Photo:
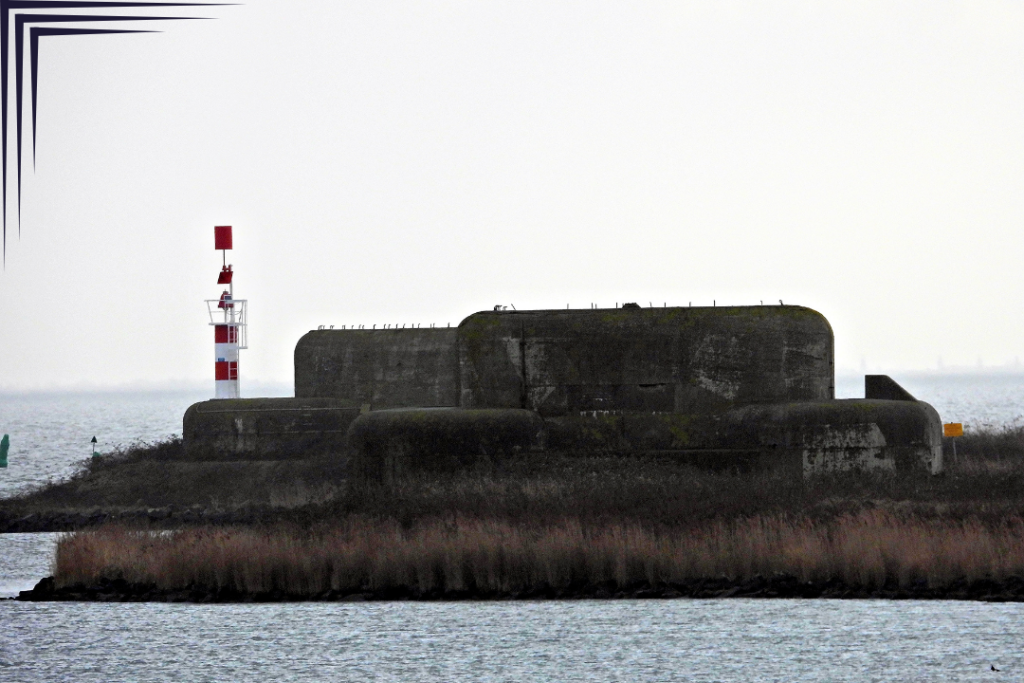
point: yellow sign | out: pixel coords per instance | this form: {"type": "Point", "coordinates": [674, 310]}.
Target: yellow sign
{"type": "Point", "coordinates": [952, 429]}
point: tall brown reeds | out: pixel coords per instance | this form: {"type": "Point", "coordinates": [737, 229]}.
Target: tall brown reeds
{"type": "Point", "coordinates": [867, 549]}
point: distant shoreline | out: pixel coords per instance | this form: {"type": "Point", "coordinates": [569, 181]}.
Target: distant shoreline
{"type": "Point", "coordinates": [776, 587]}
{"type": "Point", "coordinates": [285, 388]}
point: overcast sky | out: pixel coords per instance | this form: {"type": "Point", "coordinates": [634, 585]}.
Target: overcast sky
{"type": "Point", "coordinates": [415, 162]}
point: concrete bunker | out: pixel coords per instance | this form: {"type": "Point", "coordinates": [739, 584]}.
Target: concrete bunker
{"type": "Point", "coordinates": [718, 386]}
{"type": "Point", "coordinates": [385, 444]}
{"type": "Point", "coordinates": [664, 360]}
{"type": "Point", "coordinates": [266, 428]}
{"type": "Point", "coordinates": [393, 368]}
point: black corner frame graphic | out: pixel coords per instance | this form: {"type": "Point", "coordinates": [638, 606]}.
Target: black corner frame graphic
{"type": "Point", "coordinates": [28, 14]}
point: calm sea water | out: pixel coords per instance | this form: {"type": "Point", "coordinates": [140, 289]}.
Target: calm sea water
{"type": "Point", "coordinates": [50, 433]}
{"type": "Point", "coordinates": [677, 640]}
{"type": "Point", "coordinates": [674, 640]}
{"type": "Point", "coordinates": [977, 400]}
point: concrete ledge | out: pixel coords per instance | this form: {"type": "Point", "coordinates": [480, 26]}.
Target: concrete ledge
{"type": "Point", "coordinates": [266, 428]}
{"type": "Point", "coordinates": [807, 437]}
{"type": "Point", "coordinates": [384, 445]}
{"type": "Point", "coordinates": [812, 437]}
{"type": "Point", "coordinates": [831, 436]}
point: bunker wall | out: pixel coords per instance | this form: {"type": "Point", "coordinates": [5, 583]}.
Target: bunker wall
{"type": "Point", "coordinates": [401, 368]}
{"type": "Point", "coordinates": [808, 437]}
{"type": "Point", "coordinates": [265, 428]}
{"type": "Point", "coordinates": [686, 360]}
{"type": "Point", "coordinates": [833, 436]}
{"type": "Point", "coordinates": [385, 445]}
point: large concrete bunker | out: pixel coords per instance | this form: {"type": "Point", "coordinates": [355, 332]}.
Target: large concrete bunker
{"type": "Point", "coordinates": [667, 360]}
{"type": "Point", "coordinates": [723, 386]}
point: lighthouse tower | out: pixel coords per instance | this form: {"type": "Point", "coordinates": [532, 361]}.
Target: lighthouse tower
{"type": "Point", "coordinates": [227, 316]}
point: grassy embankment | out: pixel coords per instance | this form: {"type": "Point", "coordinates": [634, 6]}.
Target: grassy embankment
{"type": "Point", "coordinates": [549, 525]}
{"type": "Point", "coordinates": [156, 483]}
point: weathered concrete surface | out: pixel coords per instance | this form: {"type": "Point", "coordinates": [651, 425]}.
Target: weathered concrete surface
{"type": "Point", "coordinates": [808, 437]}
{"type": "Point", "coordinates": [803, 437]}
{"type": "Point", "coordinates": [833, 436]}
{"type": "Point", "coordinates": [403, 368]}
{"type": "Point", "coordinates": [685, 360]}
{"type": "Point", "coordinates": [385, 445]}
{"type": "Point", "coordinates": [265, 428]}
{"type": "Point", "coordinates": [724, 386]}
{"type": "Point", "coordinates": [698, 439]}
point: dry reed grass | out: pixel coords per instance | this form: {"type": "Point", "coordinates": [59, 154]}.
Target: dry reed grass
{"type": "Point", "coordinates": [867, 549]}
{"type": "Point", "coordinates": [987, 444]}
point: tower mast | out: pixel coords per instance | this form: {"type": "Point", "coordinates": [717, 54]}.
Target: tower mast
{"type": "Point", "coordinates": [227, 316]}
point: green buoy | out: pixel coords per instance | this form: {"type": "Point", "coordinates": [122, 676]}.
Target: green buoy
{"type": "Point", "coordinates": [94, 453]}
{"type": "Point", "coordinates": [5, 444]}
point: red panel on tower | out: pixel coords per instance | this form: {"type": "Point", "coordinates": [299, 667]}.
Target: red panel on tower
{"type": "Point", "coordinates": [221, 371]}
{"type": "Point", "coordinates": [222, 236]}
{"type": "Point", "coordinates": [225, 276]}
{"type": "Point", "coordinates": [225, 334]}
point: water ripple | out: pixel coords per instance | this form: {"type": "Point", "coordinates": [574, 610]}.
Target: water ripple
{"type": "Point", "coordinates": [716, 640]}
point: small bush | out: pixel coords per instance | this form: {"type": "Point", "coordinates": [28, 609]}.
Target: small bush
{"type": "Point", "coordinates": [169, 450]}
{"type": "Point", "coordinates": [999, 445]}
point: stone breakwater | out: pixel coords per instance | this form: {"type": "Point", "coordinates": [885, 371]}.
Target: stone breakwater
{"type": "Point", "coordinates": [1010, 589]}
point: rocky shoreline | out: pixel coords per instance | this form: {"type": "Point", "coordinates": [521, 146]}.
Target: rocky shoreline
{"type": "Point", "coordinates": [781, 586]}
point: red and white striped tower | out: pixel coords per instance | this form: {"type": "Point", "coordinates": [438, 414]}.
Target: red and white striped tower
{"type": "Point", "coordinates": [227, 316]}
